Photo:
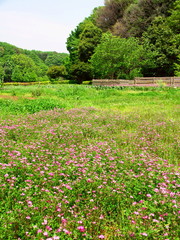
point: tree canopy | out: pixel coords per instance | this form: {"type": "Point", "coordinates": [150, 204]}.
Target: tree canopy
{"type": "Point", "coordinates": [21, 65]}
{"type": "Point", "coordinates": [117, 57]}
{"type": "Point", "coordinates": [140, 37]}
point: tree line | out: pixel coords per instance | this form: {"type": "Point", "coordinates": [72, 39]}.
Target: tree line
{"type": "Point", "coordinates": [20, 65]}
{"type": "Point", "coordinates": [127, 39]}
{"type": "Point", "coordinates": [122, 39]}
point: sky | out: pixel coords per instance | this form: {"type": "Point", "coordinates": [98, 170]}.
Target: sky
{"type": "Point", "coordinates": [42, 24]}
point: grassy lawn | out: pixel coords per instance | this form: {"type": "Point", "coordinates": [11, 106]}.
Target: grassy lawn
{"type": "Point", "coordinates": [81, 162]}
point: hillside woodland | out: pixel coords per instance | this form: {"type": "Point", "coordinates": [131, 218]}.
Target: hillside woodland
{"type": "Point", "coordinates": [20, 65]}
{"type": "Point", "coordinates": [122, 39]}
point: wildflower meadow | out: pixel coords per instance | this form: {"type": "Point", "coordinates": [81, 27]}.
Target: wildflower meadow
{"type": "Point", "coordinates": [79, 162]}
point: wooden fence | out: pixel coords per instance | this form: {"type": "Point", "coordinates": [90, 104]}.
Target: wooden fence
{"type": "Point", "coordinates": [139, 81]}
{"type": "Point", "coordinates": [169, 81]}
{"type": "Point", "coordinates": [110, 82]}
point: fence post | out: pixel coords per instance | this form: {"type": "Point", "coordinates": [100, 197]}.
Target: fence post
{"type": "Point", "coordinates": [135, 81]}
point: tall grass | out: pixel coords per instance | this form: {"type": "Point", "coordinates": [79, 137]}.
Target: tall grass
{"type": "Point", "coordinates": [31, 99]}
{"type": "Point", "coordinates": [89, 163]}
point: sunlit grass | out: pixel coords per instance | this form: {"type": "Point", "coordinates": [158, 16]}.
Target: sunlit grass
{"type": "Point", "coordinates": [72, 96]}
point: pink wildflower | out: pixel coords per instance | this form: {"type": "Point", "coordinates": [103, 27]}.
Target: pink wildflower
{"type": "Point", "coordinates": [101, 217]}
{"type": "Point", "coordinates": [79, 221]}
{"type": "Point", "coordinates": [149, 195]}
{"type": "Point", "coordinates": [132, 234]}
{"type": "Point", "coordinates": [48, 228]}
{"type": "Point", "coordinates": [101, 237]}
{"type": "Point", "coordinates": [64, 221]}
{"type": "Point", "coordinates": [66, 231]}
{"type": "Point", "coordinates": [45, 234]}
{"type": "Point", "coordinates": [144, 234]}
{"type": "Point", "coordinates": [81, 229]}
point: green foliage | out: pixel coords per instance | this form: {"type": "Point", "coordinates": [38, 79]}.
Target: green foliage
{"type": "Point", "coordinates": [127, 18]}
{"type": "Point", "coordinates": [73, 40]}
{"type": "Point", "coordinates": [81, 71]}
{"type": "Point", "coordinates": [89, 39]}
{"type": "Point", "coordinates": [24, 69]}
{"type": "Point", "coordinates": [37, 92]}
{"type": "Point", "coordinates": [10, 49]}
{"type": "Point", "coordinates": [139, 16]}
{"type": "Point", "coordinates": [154, 23]}
{"type": "Point", "coordinates": [26, 65]}
{"type": "Point", "coordinates": [17, 75]}
{"type": "Point", "coordinates": [81, 45]}
{"type": "Point", "coordinates": [30, 76]}
{"type": "Point", "coordinates": [174, 18]}
{"type": "Point", "coordinates": [22, 61]}
{"type": "Point", "coordinates": [163, 40]}
{"type": "Point", "coordinates": [8, 67]}
{"type": "Point", "coordinates": [177, 67]}
{"type": "Point", "coordinates": [120, 58]}
{"type": "Point", "coordinates": [41, 66]}
{"type": "Point", "coordinates": [1, 51]}
{"type": "Point", "coordinates": [2, 74]}
{"type": "Point", "coordinates": [56, 59]}
{"type": "Point", "coordinates": [57, 71]}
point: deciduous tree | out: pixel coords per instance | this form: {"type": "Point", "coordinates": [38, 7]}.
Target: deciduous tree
{"type": "Point", "coordinates": [163, 40]}
{"type": "Point", "coordinates": [117, 57]}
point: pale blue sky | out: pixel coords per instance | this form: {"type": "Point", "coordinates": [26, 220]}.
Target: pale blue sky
{"type": "Point", "coordinates": [42, 24]}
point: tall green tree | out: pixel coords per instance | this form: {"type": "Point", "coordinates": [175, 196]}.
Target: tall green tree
{"type": "Point", "coordinates": [73, 40]}
{"type": "Point", "coordinates": [117, 57]}
{"type": "Point", "coordinates": [81, 45]}
{"type": "Point", "coordinates": [163, 40]}
{"type": "Point", "coordinates": [89, 39]}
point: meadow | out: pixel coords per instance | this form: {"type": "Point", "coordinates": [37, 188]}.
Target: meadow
{"type": "Point", "coordinates": [83, 162]}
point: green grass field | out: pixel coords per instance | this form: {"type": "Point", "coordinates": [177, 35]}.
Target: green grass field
{"type": "Point", "coordinates": [82, 162]}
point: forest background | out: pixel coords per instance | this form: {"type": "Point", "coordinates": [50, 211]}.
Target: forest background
{"type": "Point", "coordinates": [122, 39]}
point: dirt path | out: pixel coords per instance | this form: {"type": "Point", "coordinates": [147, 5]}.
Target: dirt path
{"type": "Point", "coordinates": [15, 98]}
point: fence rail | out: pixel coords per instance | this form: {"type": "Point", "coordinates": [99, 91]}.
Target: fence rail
{"type": "Point", "coordinates": [156, 81]}
{"type": "Point", "coordinates": [109, 82]}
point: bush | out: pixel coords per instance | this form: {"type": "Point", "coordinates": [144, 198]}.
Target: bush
{"type": "Point", "coordinates": [81, 72]}
{"type": "Point", "coordinates": [37, 92]}
{"type": "Point", "coordinates": [25, 83]}
{"type": "Point", "coordinates": [56, 72]}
